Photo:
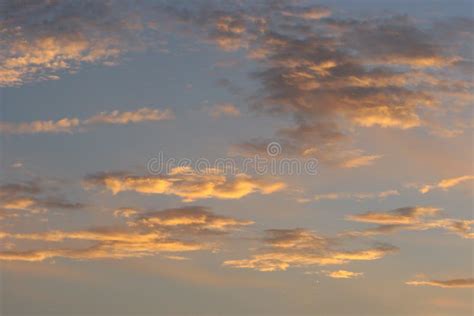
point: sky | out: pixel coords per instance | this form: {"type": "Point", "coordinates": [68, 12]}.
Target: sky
{"type": "Point", "coordinates": [236, 157]}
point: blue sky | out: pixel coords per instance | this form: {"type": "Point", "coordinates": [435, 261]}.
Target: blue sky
{"type": "Point", "coordinates": [379, 93]}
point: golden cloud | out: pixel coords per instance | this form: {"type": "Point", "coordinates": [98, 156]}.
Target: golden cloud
{"type": "Point", "coordinates": [196, 218]}
{"type": "Point", "coordinates": [445, 184]}
{"type": "Point", "coordinates": [343, 274]}
{"type": "Point", "coordinates": [360, 161]}
{"type": "Point", "coordinates": [186, 183]}
{"type": "Point", "coordinates": [447, 284]}
{"type": "Point", "coordinates": [147, 234]}
{"type": "Point", "coordinates": [302, 248]}
{"type": "Point", "coordinates": [30, 198]}
{"type": "Point", "coordinates": [70, 125]}
{"type": "Point", "coordinates": [410, 218]}
{"type": "Point", "coordinates": [36, 50]}
{"type": "Point", "coordinates": [356, 196]}
{"type": "Point", "coordinates": [406, 215]}
{"type": "Point", "coordinates": [65, 125]}
{"type": "Point", "coordinates": [123, 118]}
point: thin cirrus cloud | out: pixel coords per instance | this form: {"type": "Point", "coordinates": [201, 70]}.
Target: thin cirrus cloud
{"type": "Point", "coordinates": [186, 183]}
{"type": "Point", "coordinates": [416, 218]}
{"type": "Point", "coordinates": [309, 13]}
{"type": "Point", "coordinates": [70, 125]}
{"type": "Point", "coordinates": [447, 284]}
{"type": "Point", "coordinates": [286, 248]}
{"type": "Point", "coordinates": [445, 184]}
{"type": "Point", "coordinates": [223, 109]}
{"type": "Point", "coordinates": [30, 197]}
{"type": "Point", "coordinates": [360, 161]}
{"type": "Point", "coordinates": [343, 274]}
{"type": "Point", "coordinates": [147, 234]}
{"type": "Point", "coordinates": [356, 196]}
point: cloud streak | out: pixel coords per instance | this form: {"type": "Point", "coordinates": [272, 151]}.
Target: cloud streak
{"type": "Point", "coordinates": [26, 198]}
{"type": "Point", "coordinates": [445, 184]}
{"type": "Point", "coordinates": [447, 284]}
{"type": "Point", "coordinates": [343, 274]}
{"type": "Point", "coordinates": [70, 125]}
{"type": "Point", "coordinates": [410, 218]}
{"type": "Point", "coordinates": [356, 196]}
{"type": "Point", "coordinates": [166, 231]}
{"type": "Point", "coordinates": [286, 248]}
{"type": "Point", "coordinates": [224, 109]}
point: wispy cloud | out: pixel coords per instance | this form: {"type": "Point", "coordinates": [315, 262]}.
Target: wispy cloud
{"type": "Point", "coordinates": [285, 248]}
{"type": "Point", "coordinates": [355, 196]}
{"type": "Point", "coordinates": [343, 274]}
{"type": "Point", "coordinates": [165, 231]}
{"type": "Point", "coordinates": [64, 125]}
{"type": "Point", "coordinates": [360, 161]}
{"type": "Point", "coordinates": [444, 184]}
{"type": "Point", "coordinates": [25, 198]}
{"type": "Point", "coordinates": [123, 118]}
{"type": "Point", "coordinates": [410, 218]}
{"type": "Point", "coordinates": [447, 284]}
{"type": "Point", "coordinates": [70, 125]}
{"type": "Point", "coordinates": [223, 109]}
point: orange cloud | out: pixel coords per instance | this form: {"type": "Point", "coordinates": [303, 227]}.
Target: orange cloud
{"type": "Point", "coordinates": [447, 284]}
{"type": "Point", "coordinates": [385, 116]}
{"type": "Point", "coordinates": [122, 118]}
{"type": "Point", "coordinates": [194, 217]}
{"type": "Point", "coordinates": [26, 198]}
{"type": "Point", "coordinates": [125, 212]}
{"type": "Point", "coordinates": [343, 274]}
{"type": "Point", "coordinates": [360, 161]}
{"type": "Point", "coordinates": [70, 125]}
{"type": "Point", "coordinates": [406, 215]}
{"type": "Point", "coordinates": [445, 184]}
{"type": "Point", "coordinates": [110, 250]}
{"type": "Point", "coordinates": [38, 51]}
{"type": "Point", "coordinates": [309, 13]}
{"type": "Point", "coordinates": [224, 109]}
{"type": "Point", "coordinates": [65, 125]}
{"type": "Point", "coordinates": [146, 235]}
{"type": "Point", "coordinates": [410, 218]}
{"type": "Point", "coordinates": [302, 248]}
{"type": "Point", "coordinates": [186, 183]}
{"type": "Point", "coordinates": [356, 196]}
